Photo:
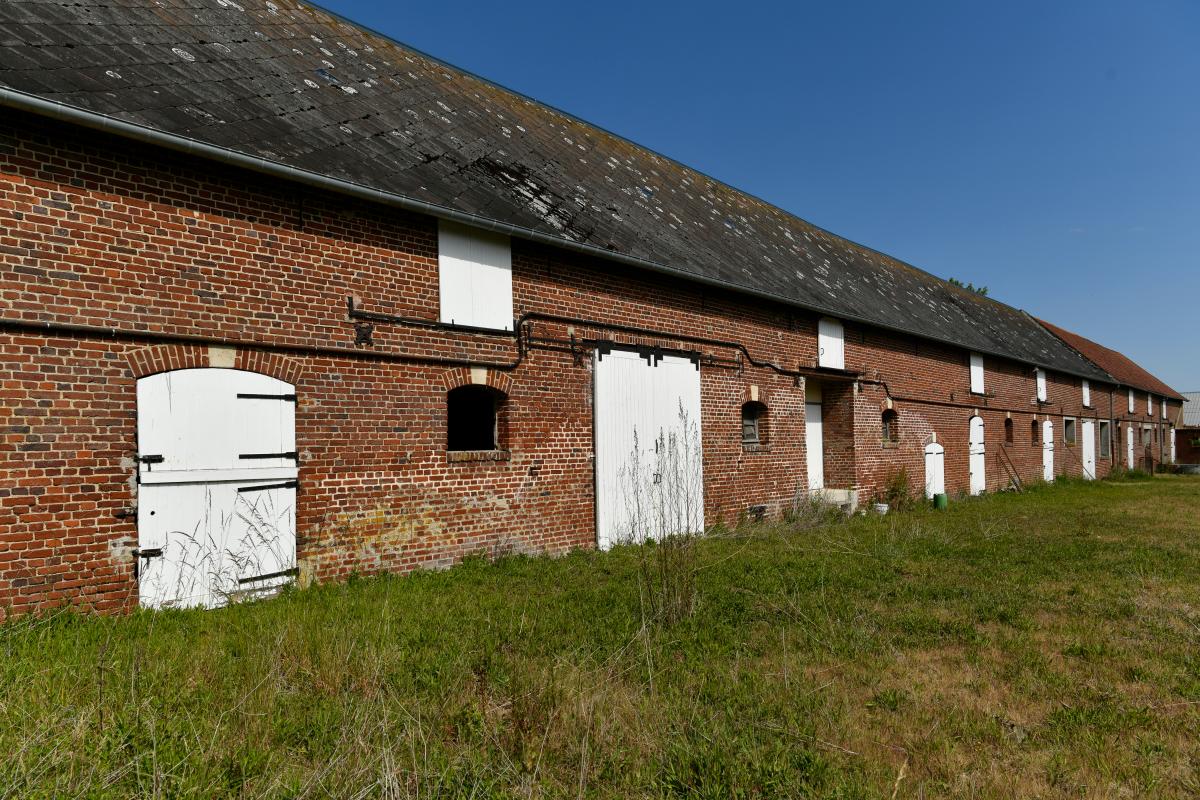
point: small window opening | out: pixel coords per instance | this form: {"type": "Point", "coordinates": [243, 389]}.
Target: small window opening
{"type": "Point", "coordinates": [1069, 430]}
{"type": "Point", "coordinates": [1008, 431]}
{"type": "Point", "coordinates": [891, 426]}
{"type": "Point", "coordinates": [1105, 440]}
{"type": "Point", "coordinates": [754, 423]}
{"type": "Point", "coordinates": [1034, 437]}
{"type": "Point", "coordinates": [472, 418]}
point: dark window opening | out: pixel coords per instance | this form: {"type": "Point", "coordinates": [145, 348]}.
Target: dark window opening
{"type": "Point", "coordinates": [1105, 441]}
{"type": "Point", "coordinates": [1069, 431]}
{"type": "Point", "coordinates": [1008, 431]}
{"type": "Point", "coordinates": [754, 423]}
{"type": "Point", "coordinates": [1033, 432]}
{"type": "Point", "coordinates": [891, 426]}
{"type": "Point", "coordinates": [472, 418]}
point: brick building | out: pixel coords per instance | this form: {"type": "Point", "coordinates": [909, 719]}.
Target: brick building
{"type": "Point", "coordinates": [1143, 412]}
{"type": "Point", "coordinates": [283, 297]}
{"type": "Point", "coordinates": [1187, 444]}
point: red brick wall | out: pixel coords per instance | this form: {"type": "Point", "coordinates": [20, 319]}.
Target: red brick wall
{"type": "Point", "coordinates": [98, 232]}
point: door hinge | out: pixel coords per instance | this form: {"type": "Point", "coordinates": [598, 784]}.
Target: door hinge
{"type": "Point", "coordinates": [293, 455]}
{"type": "Point", "coordinates": [281, 574]}
{"type": "Point", "coordinates": [154, 459]}
{"type": "Point", "coordinates": [288, 398]}
{"type": "Point", "coordinates": [264, 487]}
{"type": "Point", "coordinates": [147, 552]}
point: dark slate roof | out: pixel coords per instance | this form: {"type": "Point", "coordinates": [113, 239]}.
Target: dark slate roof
{"type": "Point", "coordinates": [1120, 366]}
{"type": "Point", "coordinates": [295, 85]}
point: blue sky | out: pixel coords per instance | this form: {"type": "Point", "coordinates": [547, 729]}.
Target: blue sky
{"type": "Point", "coordinates": [1047, 150]}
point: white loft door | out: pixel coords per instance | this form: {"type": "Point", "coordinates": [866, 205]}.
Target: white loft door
{"type": "Point", "coordinates": [1088, 432]}
{"type": "Point", "coordinates": [831, 344]}
{"type": "Point", "coordinates": [649, 460]}
{"type": "Point", "coordinates": [216, 486]}
{"type": "Point", "coordinates": [976, 457]}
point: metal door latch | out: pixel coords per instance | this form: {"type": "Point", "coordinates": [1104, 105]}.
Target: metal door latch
{"type": "Point", "coordinates": [154, 459]}
{"type": "Point", "coordinates": [147, 552]}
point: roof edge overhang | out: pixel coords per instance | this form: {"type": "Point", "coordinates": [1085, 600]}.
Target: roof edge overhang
{"type": "Point", "coordinates": [75, 115]}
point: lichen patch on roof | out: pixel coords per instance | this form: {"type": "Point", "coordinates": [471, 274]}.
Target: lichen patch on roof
{"type": "Point", "coordinates": [294, 84]}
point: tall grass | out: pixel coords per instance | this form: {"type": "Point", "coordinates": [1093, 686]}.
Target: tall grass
{"type": "Point", "coordinates": [1042, 644]}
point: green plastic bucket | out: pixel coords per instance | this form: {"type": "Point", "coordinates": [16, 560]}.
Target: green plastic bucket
{"type": "Point", "coordinates": [940, 502]}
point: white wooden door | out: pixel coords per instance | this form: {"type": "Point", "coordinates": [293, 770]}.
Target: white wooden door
{"type": "Point", "coordinates": [831, 343]}
{"type": "Point", "coordinates": [1048, 450]}
{"type": "Point", "coordinates": [977, 457]}
{"type": "Point", "coordinates": [649, 458]}
{"type": "Point", "coordinates": [1087, 430]}
{"type": "Point", "coordinates": [216, 486]}
{"type": "Point", "coordinates": [935, 470]}
{"type": "Point", "coordinates": [814, 445]}
{"type": "Point", "coordinates": [1129, 446]}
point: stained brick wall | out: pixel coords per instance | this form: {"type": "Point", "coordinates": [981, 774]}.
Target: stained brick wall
{"type": "Point", "coordinates": [187, 264]}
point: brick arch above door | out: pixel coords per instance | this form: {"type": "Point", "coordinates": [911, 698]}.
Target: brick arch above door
{"type": "Point", "coordinates": [150, 360]}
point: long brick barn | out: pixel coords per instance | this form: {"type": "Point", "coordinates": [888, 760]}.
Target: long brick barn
{"type": "Point", "coordinates": [283, 299]}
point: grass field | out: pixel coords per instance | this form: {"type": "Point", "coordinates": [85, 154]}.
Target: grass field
{"type": "Point", "coordinates": [1036, 645]}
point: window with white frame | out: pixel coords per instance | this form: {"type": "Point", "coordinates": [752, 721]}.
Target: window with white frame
{"type": "Point", "coordinates": [475, 277]}
{"type": "Point", "coordinates": [1131, 401]}
{"type": "Point", "coordinates": [1087, 393]}
{"type": "Point", "coordinates": [1040, 374]}
{"type": "Point", "coordinates": [976, 373]}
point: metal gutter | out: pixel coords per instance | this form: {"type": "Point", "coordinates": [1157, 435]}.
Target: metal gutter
{"type": "Point", "coordinates": [74, 115]}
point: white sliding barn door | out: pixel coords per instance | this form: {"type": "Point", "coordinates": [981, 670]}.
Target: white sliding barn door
{"type": "Point", "coordinates": [1048, 450]}
{"type": "Point", "coordinates": [977, 457]}
{"type": "Point", "coordinates": [1088, 431]}
{"type": "Point", "coordinates": [649, 459]}
{"type": "Point", "coordinates": [216, 486]}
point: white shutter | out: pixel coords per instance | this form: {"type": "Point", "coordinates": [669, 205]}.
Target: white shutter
{"type": "Point", "coordinates": [1131, 401]}
{"type": "Point", "coordinates": [1041, 384]}
{"type": "Point", "coordinates": [1149, 404]}
{"type": "Point", "coordinates": [977, 373]}
{"type": "Point", "coordinates": [475, 277]}
{"type": "Point", "coordinates": [1087, 393]}
{"type": "Point", "coordinates": [1162, 404]}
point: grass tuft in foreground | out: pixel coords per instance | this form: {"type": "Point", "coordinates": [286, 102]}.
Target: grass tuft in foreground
{"type": "Point", "coordinates": [1036, 645]}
